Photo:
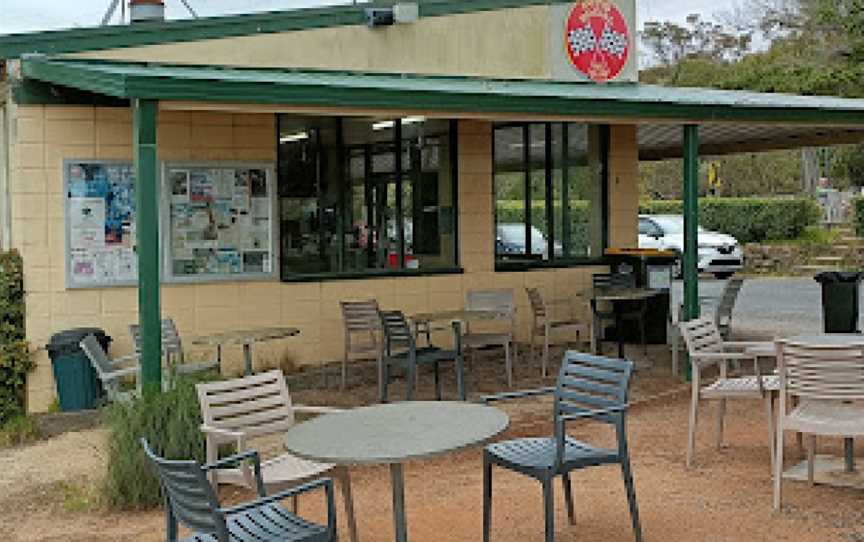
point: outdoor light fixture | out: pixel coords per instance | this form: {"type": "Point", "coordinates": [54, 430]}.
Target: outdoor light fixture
{"type": "Point", "coordinates": [292, 138]}
{"type": "Point", "coordinates": [388, 124]}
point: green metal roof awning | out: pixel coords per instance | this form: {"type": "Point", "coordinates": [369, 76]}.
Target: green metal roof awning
{"type": "Point", "coordinates": [438, 93]}
{"type": "Point", "coordinates": [731, 121]}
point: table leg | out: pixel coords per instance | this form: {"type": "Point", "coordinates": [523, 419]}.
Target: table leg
{"type": "Point", "coordinates": [397, 479]}
{"type": "Point", "coordinates": [247, 358]}
{"type": "Point", "coordinates": [849, 453]}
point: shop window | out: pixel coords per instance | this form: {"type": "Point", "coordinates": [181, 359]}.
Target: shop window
{"type": "Point", "coordinates": [363, 196]}
{"type": "Point", "coordinates": [549, 194]}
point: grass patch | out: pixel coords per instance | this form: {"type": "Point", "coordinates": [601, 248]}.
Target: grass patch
{"type": "Point", "coordinates": [170, 422]}
{"type": "Point", "coordinates": [18, 431]}
{"type": "Point", "coordinates": [811, 237]}
{"type": "Point", "coordinates": [78, 497]}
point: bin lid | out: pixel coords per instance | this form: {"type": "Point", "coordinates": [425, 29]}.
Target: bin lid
{"type": "Point", "coordinates": [831, 277]}
{"type": "Point", "coordinates": [67, 341]}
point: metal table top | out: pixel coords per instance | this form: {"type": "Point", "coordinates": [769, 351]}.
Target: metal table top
{"type": "Point", "coordinates": [394, 433]}
{"type": "Point", "coordinates": [462, 315]}
{"type": "Point", "coordinates": [247, 336]}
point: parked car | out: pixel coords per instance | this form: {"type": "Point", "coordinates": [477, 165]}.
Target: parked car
{"type": "Point", "coordinates": [510, 241]}
{"type": "Point", "coordinates": [719, 254]}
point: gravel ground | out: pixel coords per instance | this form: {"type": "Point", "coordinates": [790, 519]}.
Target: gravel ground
{"type": "Point", "coordinates": [727, 496]}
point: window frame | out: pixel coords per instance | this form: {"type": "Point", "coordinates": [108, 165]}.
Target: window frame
{"type": "Point", "coordinates": [402, 271]}
{"type": "Point", "coordinates": [604, 143]}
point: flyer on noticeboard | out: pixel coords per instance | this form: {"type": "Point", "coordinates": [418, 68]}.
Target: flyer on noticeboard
{"type": "Point", "coordinates": [221, 220]}
{"type": "Point", "coordinates": [101, 223]}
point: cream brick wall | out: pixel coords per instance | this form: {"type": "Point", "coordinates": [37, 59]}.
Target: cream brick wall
{"type": "Point", "coordinates": [48, 135]}
{"type": "Point", "coordinates": [623, 187]}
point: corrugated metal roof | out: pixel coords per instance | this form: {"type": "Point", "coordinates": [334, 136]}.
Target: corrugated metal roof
{"type": "Point", "coordinates": [442, 93]}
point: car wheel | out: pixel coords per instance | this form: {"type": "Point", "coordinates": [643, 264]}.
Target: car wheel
{"type": "Point", "coordinates": [723, 276]}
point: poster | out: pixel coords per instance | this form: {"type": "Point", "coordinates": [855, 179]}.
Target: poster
{"type": "Point", "coordinates": [100, 223]}
{"type": "Point", "coordinates": [220, 220]}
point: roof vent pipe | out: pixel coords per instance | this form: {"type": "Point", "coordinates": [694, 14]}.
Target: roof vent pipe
{"type": "Point", "coordinates": [146, 10]}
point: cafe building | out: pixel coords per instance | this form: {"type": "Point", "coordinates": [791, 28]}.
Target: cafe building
{"type": "Point", "coordinates": [255, 170]}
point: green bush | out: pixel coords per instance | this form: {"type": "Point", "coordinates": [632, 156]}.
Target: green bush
{"type": "Point", "coordinates": [858, 204]}
{"type": "Point", "coordinates": [750, 220]}
{"type": "Point", "coordinates": [18, 430]}
{"type": "Point", "coordinates": [15, 360]}
{"type": "Point", "coordinates": [170, 422]}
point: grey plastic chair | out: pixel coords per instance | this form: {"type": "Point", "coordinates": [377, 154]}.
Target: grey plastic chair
{"type": "Point", "coordinates": [400, 350]}
{"type": "Point", "coordinates": [112, 372]}
{"type": "Point", "coordinates": [172, 349]}
{"type": "Point", "coordinates": [191, 501]}
{"type": "Point", "coordinates": [589, 388]}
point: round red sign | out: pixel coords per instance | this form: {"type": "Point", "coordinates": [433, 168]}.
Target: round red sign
{"type": "Point", "coordinates": [597, 39]}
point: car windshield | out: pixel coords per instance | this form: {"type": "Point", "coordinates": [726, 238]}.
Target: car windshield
{"type": "Point", "coordinates": [671, 225]}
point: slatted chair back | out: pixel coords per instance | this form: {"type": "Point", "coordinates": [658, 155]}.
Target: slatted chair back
{"type": "Point", "coordinates": [728, 299]}
{"type": "Point", "coordinates": [397, 332]}
{"type": "Point", "coordinates": [360, 316]}
{"type": "Point", "coordinates": [255, 405]}
{"type": "Point", "coordinates": [538, 306]}
{"type": "Point", "coordinates": [824, 373]}
{"type": "Point", "coordinates": [98, 359]}
{"type": "Point", "coordinates": [701, 336]}
{"type": "Point", "coordinates": [189, 498]}
{"type": "Point", "coordinates": [590, 383]}
{"type": "Point", "coordinates": [171, 343]}
{"type": "Point", "coordinates": [491, 300]}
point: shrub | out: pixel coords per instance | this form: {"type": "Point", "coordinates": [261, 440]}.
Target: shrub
{"type": "Point", "coordinates": [15, 360]}
{"type": "Point", "coordinates": [170, 422]}
{"type": "Point", "coordinates": [18, 430]}
{"type": "Point", "coordinates": [750, 220]}
{"type": "Point", "coordinates": [858, 208]}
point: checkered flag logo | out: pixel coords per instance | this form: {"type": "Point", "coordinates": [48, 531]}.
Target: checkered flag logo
{"type": "Point", "coordinates": [582, 40]}
{"type": "Point", "coordinates": [613, 43]}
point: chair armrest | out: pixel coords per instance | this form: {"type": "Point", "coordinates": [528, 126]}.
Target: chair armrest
{"type": "Point", "coordinates": [226, 435]}
{"type": "Point", "coordinates": [325, 483]}
{"type": "Point", "coordinates": [317, 409]}
{"type": "Point", "coordinates": [231, 462]}
{"type": "Point", "coordinates": [126, 358]}
{"type": "Point", "coordinates": [742, 345]}
{"type": "Point", "coordinates": [721, 355]}
{"type": "Point", "coordinates": [120, 373]}
{"type": "Point", "coordinates": [516, 395]}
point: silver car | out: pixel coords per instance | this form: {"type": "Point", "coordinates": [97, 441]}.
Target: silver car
{"type": "Point", "coordinates": [719, 254]}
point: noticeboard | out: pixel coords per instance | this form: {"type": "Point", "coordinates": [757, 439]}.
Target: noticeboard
{"type": "Point", "coordinates": [219, 221]}
{"type": "Point", "coordinates": [100, 223]}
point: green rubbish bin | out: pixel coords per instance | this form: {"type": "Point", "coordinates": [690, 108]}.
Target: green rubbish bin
{"type": "Point", "coordinates": [78, 385]}
{"type": "Point", "coordinates": [840, 300]}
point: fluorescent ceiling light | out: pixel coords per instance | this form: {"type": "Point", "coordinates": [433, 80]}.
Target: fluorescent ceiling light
{"type": "Point", "coordinates": [388, 124]}
{"type": "Point", "coordinates": [299, 136]}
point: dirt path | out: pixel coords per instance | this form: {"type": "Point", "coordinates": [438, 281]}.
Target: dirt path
{"type": "Point", "coordinates": [726, 497]}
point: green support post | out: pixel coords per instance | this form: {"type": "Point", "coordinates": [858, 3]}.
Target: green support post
{"type": "Point", "coordinates": [147, 233]}
{"type": "Point", "coordinates": [690, 263]}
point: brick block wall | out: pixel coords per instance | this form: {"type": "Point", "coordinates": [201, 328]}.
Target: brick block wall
{"type": "Point", "coordinates": [48, 135]}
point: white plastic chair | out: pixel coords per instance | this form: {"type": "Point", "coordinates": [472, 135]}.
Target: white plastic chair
{"type": "Point", "coordinates": [238, 410]}
{"type": "Point", "coordinates": [362, 322]}
{"type": "Point", "coordinates": [544, 323]}
{"type": "Point", "coordinates": [828, 382]}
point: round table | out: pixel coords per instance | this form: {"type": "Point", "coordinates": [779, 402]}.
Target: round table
{"type": "Point", "coordinates": [393, 434]}
{"type": "Point", "coordinates": [246, 338]}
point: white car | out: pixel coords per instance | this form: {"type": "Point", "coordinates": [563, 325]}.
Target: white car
{"type": "Point", "coordinates": [719, 254]}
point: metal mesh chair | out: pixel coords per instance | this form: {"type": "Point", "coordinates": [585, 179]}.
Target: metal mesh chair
{"type": "Point", "coordinates": [590, 388]}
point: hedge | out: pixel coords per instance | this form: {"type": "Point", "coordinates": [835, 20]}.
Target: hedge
{"type": "Point", "coordinates": [750, 220]}
{"type": "Point", "coordinates": [858, 205]}
{"type": "Point", "coordinates": [15, 360]}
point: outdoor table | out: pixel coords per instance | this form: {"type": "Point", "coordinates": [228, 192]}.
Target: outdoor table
{"type": "Point", "coordinates": [426, 319]}
{"type": "Point", "coordinates": [393, 434]}
{"type": "Point", "coordinates": [828, 469]}
{"type": "Point", "coordinates": [615, 296]}
{"type": "Point", "coordinates": [246, 338]}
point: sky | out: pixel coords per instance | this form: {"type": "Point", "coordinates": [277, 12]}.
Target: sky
{"type": "Point", "coordinates": [33, 15]}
